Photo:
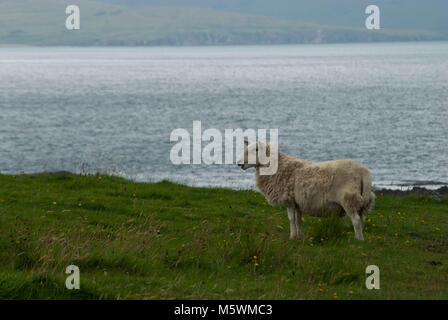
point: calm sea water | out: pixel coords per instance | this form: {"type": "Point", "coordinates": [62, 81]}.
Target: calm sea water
{"type": "Point", "coordinates": [113, 109]}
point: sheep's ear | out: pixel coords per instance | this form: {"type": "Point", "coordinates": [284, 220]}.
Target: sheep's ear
{"type": "Point", "coordinates": [246, 143]}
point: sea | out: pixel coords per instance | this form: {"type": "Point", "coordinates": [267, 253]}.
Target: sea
{"type": "Point", "coordinates": [114, 109]}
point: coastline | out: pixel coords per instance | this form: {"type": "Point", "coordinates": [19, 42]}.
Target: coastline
{"type": "Point", "coordinates": [441, 192]}
{"type": "Point", "coordinates": [434, 189]}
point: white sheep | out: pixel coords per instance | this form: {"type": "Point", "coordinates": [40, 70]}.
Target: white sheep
{"type": "Point", "coordinates": [314, 188]}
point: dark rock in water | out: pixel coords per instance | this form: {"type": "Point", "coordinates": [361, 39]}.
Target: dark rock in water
{"type": "Point", "coordinates": [441, 192]}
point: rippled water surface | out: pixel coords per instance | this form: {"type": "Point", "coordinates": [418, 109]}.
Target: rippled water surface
{"type": "Point", "coordinates": [83, 109]}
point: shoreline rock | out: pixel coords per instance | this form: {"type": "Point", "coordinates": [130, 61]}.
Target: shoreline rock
{"type": "Point", "coordinates": [441, 192]}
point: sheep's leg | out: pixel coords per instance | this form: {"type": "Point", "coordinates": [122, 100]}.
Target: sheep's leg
{"type": "Point", "coordinates": [352, 204]}
{"type": "Point", "coordinates": [298, 221]}
{"type": "Point", "coordinates": [357, 224]}
{"type": "Point", "coordinates": [292, 223]}
{"type": "Point", "coordinates": [363, 219]}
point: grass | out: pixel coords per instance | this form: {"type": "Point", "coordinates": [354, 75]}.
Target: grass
{"type": "Point", "coordinates": [167, 241]}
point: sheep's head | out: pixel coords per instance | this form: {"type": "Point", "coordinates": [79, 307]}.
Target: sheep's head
{"type": "Point", "coordinates": [259, 155]}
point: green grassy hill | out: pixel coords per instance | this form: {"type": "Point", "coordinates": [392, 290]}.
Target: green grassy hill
{"type": "Point", "coordinates": [163, 240]}
{"type": "Point", "coordinates": [30, 22]}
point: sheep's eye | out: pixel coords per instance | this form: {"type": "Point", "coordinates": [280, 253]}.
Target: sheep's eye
{"type": "Point", "coordinates": [256, 149]}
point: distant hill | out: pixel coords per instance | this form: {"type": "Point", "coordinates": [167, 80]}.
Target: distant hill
{"type": "Point", "coordinates": [428, 15]}
{"type": "Point", "coordinates": [30, 22]}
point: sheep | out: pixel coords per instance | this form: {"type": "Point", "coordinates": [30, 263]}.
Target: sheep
{"type": "Point", "coordinates": [315, 188]}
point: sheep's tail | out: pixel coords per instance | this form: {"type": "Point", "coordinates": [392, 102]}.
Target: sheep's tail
{"type": "Point", "coordinates": [366, 193]}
